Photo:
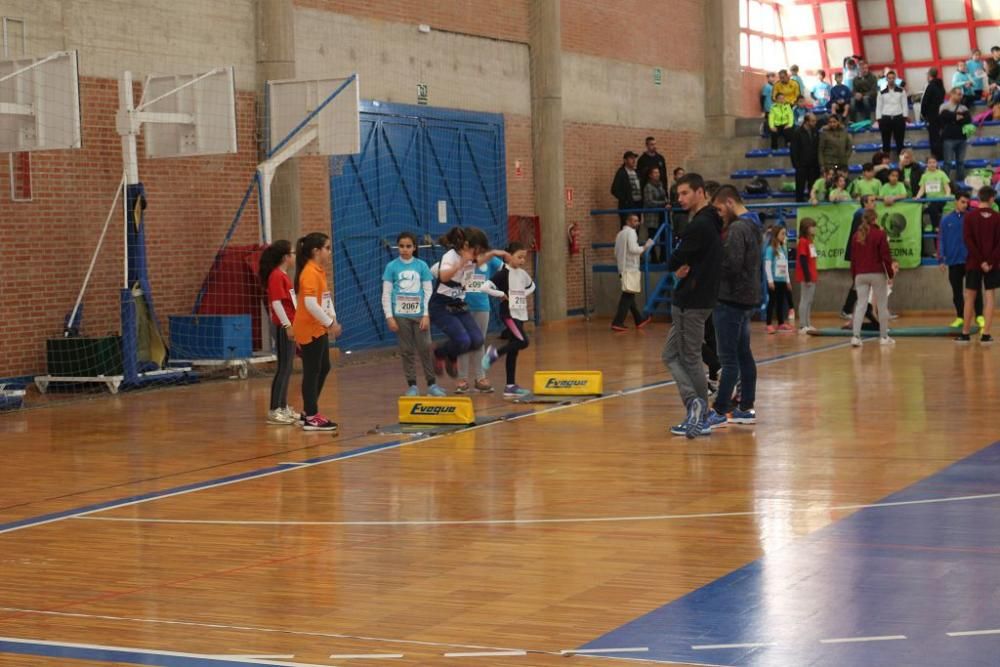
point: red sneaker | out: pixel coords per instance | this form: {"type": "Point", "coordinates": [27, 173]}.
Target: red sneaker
{"type": "Point", "coordinates": [618, 327]}
{"type": "Point", "coordinates": [318, 423]}
{"type": "Point", "coordinates": [642, 324]}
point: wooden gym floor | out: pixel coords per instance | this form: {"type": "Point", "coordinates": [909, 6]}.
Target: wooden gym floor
{"type": "Point", "coordinates": [855, 524]}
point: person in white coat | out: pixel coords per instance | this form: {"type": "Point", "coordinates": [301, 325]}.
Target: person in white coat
{"type": "Point", "coordinates": [627, 254]}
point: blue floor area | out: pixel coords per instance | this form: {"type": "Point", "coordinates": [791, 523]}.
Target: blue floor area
{"type": "Point", "coordinates": [920, 571]}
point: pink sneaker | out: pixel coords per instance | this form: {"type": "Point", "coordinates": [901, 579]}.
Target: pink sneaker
{"type": "Point", "coordinates": [786, 327]}
{"type": "Point", "coordinates": [319, 423]}
{"type": "Point", "coordinates": [772, 329]}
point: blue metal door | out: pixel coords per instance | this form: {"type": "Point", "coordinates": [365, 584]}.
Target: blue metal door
{"type": "Point", "coordinates": [412, 159]}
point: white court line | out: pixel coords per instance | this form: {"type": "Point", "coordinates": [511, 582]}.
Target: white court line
{"type": "Point", "coordinates": [366, 451]}
{"type": "Point", "coordinates": [176, 654]}
{"type": "Point", "coordinates": [366, 656]}
{"type": "Point", "coordinates": [852, 640]}
{"type": "Point", "coordinates": [486, 654]}
{"type": "Point", "coordinates": [243, 656]}
{"type": "Point", "coordinates": [973, 633]}
{"type": "Point", "coordinates": [713, 647]}
{"type": "Point", "coordinates": [598, 651]}
{"type": "Point", "coordinates": [528, 522]}
{"type": "Point", "coordinates": [254, 628]}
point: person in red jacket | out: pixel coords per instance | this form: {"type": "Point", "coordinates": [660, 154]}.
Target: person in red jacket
{"type": "Point", "coordinates": [872, 269]}
{"type": "Point", "coordinates": [805, 273]}
{"type": "Point", "coordinates": [275, 263]}
{"type": "Point", "coordinates": [981, 231]}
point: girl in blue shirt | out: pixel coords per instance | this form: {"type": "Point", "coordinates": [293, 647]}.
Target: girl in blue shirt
{"type": "Point", "coordinates": [406, 290]}
{"type": "Point", "coordinates": [479, 307]}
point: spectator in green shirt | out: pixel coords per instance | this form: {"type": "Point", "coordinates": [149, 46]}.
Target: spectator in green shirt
{"type": "Point", "coordinates": [781, 121]}
{"type": "Point", "coordinates": [893, 190]}
{"type": "Point", "coordinates": [819, 189]}
{"type": "Point", "coordinates": [840, 192]}
{"type": "Point", "coordinates": [867, 184]}
{"type": "Point", "coordinates": [934, 184]}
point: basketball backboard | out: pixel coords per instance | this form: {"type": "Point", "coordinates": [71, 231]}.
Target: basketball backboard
{"type": "Point", "coordinates": [207, 100]}
{"type": "Point", "coordinates": [291, 107]}
{"type": "Point", "coordinates": [40, 103]}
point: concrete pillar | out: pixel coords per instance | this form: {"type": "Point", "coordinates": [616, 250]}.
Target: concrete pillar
{"type": "Point", "coordinates": [722, 67]}
{"type": "Point", "coordinates": [547, 153]}
{"type": "Point", "coordinates": [275, 21]}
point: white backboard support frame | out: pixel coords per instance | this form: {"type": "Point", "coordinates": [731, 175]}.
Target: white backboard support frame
{"type": "Point", "coordinates": [308, 117]}
{"type": "Point", "coordinates": [40, 103]}
{"type": "Point", "coordinates": [207, 101]}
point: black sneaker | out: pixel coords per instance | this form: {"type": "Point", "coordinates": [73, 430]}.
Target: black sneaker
{"type": "Point", "coordinates": [985, 339]}
{"type": "Point", "coordinates": [451, 367]}
{"type": "Point", "coordinates": [963, 338]}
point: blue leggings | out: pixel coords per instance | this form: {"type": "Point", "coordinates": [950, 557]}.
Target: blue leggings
{"type": "Point", "coordinates": [461, 329]}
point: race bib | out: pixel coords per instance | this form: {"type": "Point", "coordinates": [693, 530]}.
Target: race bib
{"type": "Point", "coordinates": [475, 283]}
{"type": "Point", "coordinates": [409, 304]}
{"type": "Point", "coordinates": [327, 302]}
{"type": "Point", "coordinates": [812, 252]}
{"type": "Point", "coordinates": [933, 187]}
{"type": "Point", "coordinates": [518, 300]}
{"type": "Point", "coordinates": [781, 270]}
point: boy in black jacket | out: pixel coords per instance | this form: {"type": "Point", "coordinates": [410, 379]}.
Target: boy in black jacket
{"type": "Point", "coordinates": [697, 262]}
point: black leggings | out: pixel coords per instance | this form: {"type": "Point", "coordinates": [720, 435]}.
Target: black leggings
{"type": "Point", "coordinates": [517, 340]}
{"type": "Point", "coordinates": [777, 303]}
{"type": "Point", "coordinates": [710, 351]}
{"type": "Point", "coordinates": [315, 368]}
{"type": "Point", "coordinates": [285, 348]}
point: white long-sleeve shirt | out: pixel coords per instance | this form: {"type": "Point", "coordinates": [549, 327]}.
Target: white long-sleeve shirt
{"type": "Point", "coordinates": [324, 313]}
{"type": "Point", "coordinates": [519, 287]}
{"type": "Point", "coordinates": [627, 250]}
{"type": "Point", "coordinates": [892, 103]}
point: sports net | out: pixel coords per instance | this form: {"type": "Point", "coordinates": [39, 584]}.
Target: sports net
{"type": "Point", "coordinates": [153, 280]}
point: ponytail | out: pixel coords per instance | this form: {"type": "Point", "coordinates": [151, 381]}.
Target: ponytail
{"type": "Point", "coordinates": [868, 218]}
{"type": "Point", "coordinates": [304, 249]}
{"type": "Point", "coordinates": [458, 238]}
{"type": "Point", "coordinates": [272, 258]}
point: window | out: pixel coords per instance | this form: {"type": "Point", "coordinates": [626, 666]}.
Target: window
{"type": "Point", "coordinates": [762, 45]}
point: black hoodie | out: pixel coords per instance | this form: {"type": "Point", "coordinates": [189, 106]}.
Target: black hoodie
{"type": "Point", "coordinates": [701, 249]}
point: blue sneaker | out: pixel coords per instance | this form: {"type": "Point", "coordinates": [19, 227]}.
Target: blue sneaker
{"type": "Point", "coordinates": [412, 391]}
{"type": "Point", "coordinates": [696, 413]}
{"type": "Point", "coordinates": [679, 429]}
{"type": "Point", "coordinates": [714, 420]}
{"type": "Point", "coordinates": [489, 357]}
{"type": "Point", "coordinates": [435, 390]}
{"type": "Point", "coordinates": [514, 391]}
{"type": "Point", "coordinates": [743, 416]}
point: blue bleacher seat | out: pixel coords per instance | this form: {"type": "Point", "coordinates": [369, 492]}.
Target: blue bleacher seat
{"type": "Point", "coordinates": [867, 148]}
{"type": "Point", "coordinates": [854, 169]}
{"type": "Point", "coordinates": [756, 195]}
{"type": "Point", "coordinates": [976, 164]}
{"type": "Point", "coordinates": [759, 152]}
{"type": "Point", "coordinates": [996, 162]}
{"type": "Point", "coordinates": [790, 172]}
{"type": "Point", "coordinates": [986, 141]}
{"type": "Point", "coordinates": [991, 123]}
{"type": "Point", "coordinates": [743, 173]}
{"type": "Point", "coordinates": [783, 195]}
{"type": "Point", "coordinates": [916, 126]}
{"type": "Point", "coordinates": [922, 145]}
{"type": "Point", "coordinates": [772, 173]}
{"type": "Point", "coordinates": [781, 151]}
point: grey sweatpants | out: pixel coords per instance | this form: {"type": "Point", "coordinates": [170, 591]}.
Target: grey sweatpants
{"type": "Point", "coordinates": [413, 341]}
{"type": "Point", "coordinates": [807, 292]}
{"type": "Point", "coordinates": [475, 357]}
{"type": "Point", "coordinates": [682, 353]}
{"type": "Point", "coordinates": [866, 284]}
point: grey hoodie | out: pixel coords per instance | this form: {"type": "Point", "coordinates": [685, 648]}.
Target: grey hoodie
{"type": "Point", "coordinates": [741, 265]}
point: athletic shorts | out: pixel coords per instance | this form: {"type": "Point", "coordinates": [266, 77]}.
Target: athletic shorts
{"type": "Point", "coordinates": [975, 278]}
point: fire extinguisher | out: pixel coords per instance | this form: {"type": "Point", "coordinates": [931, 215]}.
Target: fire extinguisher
{"type": "Point", "coordinates": [573, 236]}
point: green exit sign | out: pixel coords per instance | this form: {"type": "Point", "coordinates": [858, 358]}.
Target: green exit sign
{"type": "Point", "coordinates": [657, 76]}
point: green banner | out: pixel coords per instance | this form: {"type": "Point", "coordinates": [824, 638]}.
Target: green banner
{"type": "Point", "coordinates": [902, 222]}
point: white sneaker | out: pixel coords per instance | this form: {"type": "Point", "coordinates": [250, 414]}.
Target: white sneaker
{"type": "Point", "coordinates": [279, 418]}
{"type": "Point", "coordinates": [804, 331]}
{"type": "Point", "coordinates": [886, 341]}
{"type": "Point", "coordinates": [855, 342]}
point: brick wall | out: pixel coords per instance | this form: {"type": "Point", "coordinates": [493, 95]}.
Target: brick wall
{"type": "Point", "coordinates": [593, 154]}
{"type": "Point", "coordinates": [750, 93]}
{"type": "Point", "coordinates": [47, 243]}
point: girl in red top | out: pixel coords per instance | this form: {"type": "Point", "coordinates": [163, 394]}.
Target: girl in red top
{"type": "Point", "coordinates": [805, 273]}
{"type": "Point", "coordinates": [872, 268]}
{"type": "Point", "coordinates": [275, 263]}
